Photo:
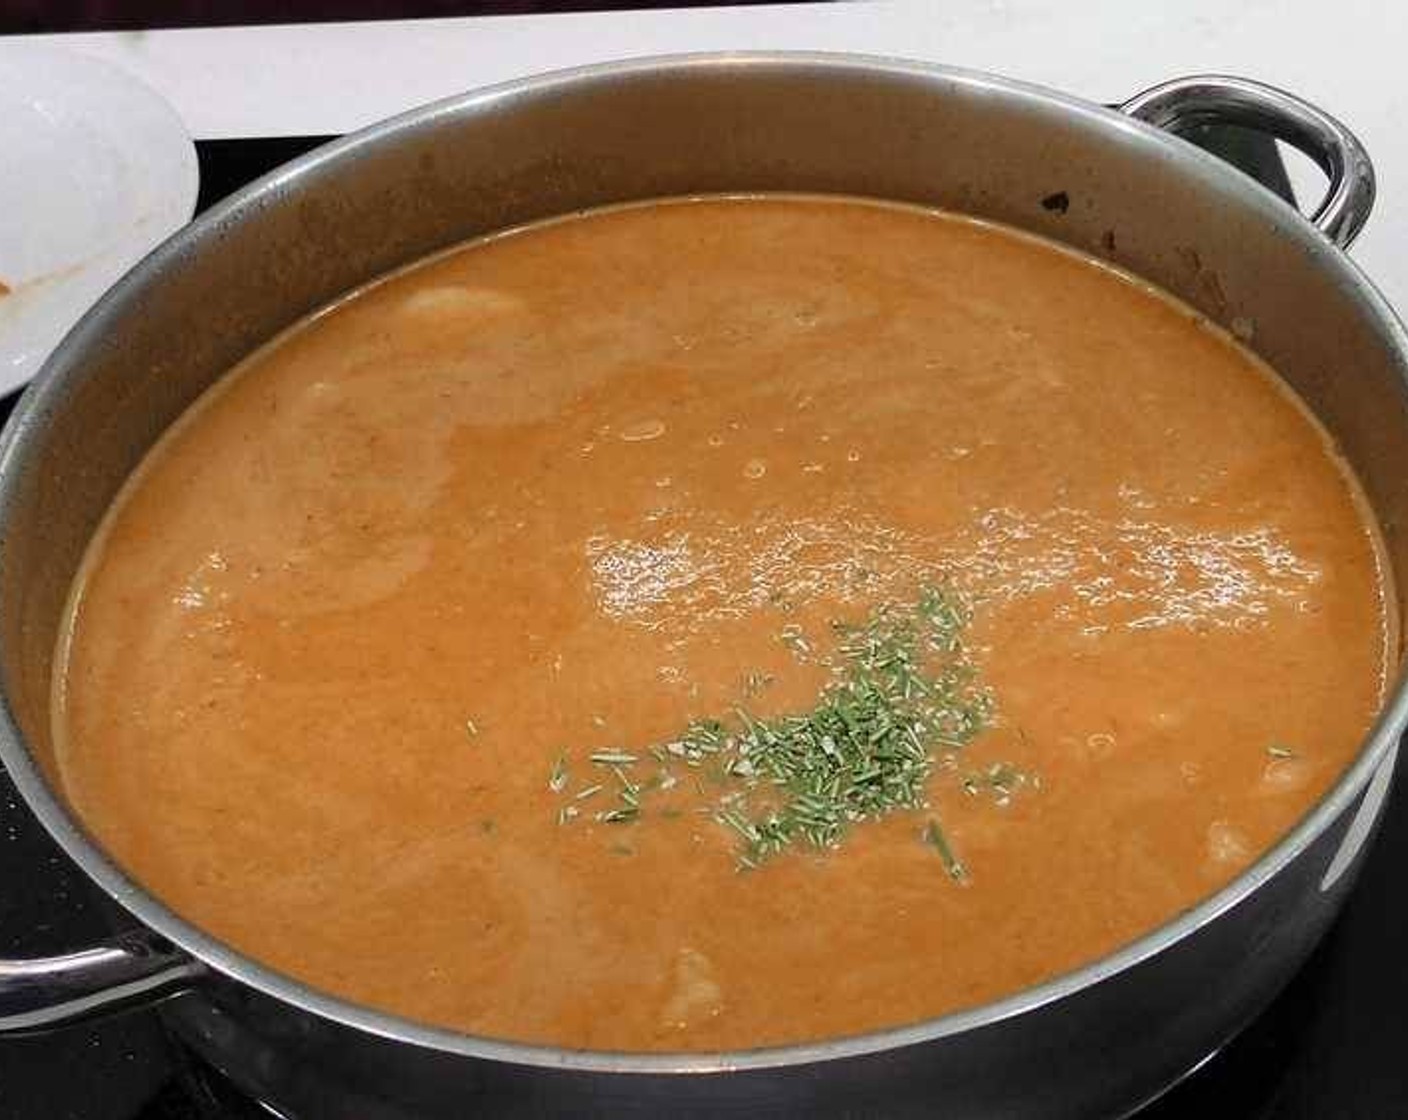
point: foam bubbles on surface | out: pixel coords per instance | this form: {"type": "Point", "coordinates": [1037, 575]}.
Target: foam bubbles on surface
{"type": "Point", "coordinates": [1134, 573]}
{"type": "Point", "coordinates": [1128, 574]}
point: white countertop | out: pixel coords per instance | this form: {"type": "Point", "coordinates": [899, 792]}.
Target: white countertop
{"type": "Point", "coordinates": [326, 78]}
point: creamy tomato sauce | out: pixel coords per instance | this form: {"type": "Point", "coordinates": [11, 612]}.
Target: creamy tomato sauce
{"type": "Point", "coordinates": [565, 489]}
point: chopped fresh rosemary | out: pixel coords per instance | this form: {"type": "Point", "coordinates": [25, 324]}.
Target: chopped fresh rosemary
{"type": "Point", "coordinates": [557, 780]}
{"type": "Point", "coordinates": [613, 758]}
{"type": "Point", "coordinates": [1001, 780]}
{"type": "Point", "coordinates": [754, 683]}
{"type": "Point", "coordinates": [794, 639]}
{"type": "Point", "coordinates": [900, 692]}
{"type": "Point", "coordinates": [934, 836]}
{"type": "Point", "coordinates": [901, 701]}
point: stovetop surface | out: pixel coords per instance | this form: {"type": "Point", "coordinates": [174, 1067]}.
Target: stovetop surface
{"type": "Point", "coordinates": [1334, 1045]}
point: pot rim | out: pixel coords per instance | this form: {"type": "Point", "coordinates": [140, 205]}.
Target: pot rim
{"type": "Point", "coordinates": [45, 394]}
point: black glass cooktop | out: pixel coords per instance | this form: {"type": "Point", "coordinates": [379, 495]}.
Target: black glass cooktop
{"type": "Point", "coordinates": [1334, 1046]}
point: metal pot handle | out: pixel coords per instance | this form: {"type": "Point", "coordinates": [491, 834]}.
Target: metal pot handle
{"type": "Point", "coordinates": [132, 968]}
{"type": "Point", "coordinates": [1213, 99]}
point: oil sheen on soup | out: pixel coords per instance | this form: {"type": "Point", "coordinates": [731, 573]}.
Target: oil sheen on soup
{"type": "Point", "coordinates": [718, 623]}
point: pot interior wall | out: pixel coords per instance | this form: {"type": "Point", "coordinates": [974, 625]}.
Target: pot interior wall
{"type": "Point", "coordinates": [339, 218]}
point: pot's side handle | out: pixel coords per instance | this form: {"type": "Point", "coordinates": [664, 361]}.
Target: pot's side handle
{"type": "Point", "coordinates": [1213, 99]}
{"type": "Point", "coordinates": [133, 968]}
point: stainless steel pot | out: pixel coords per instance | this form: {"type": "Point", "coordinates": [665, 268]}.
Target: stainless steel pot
{"type": "Point", "coordinates": [1098, 1041]}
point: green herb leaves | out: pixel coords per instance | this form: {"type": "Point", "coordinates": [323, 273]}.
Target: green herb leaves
{"type": "Point", "coordinates": [901, 691]}
{"type": "Point", "coordinates": [935, 838]}
{"type": "Point", "coordinates": [902, 697]}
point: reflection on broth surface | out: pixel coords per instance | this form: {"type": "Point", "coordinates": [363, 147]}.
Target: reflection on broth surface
{"type": "Point", "coordinates": [720, 623]}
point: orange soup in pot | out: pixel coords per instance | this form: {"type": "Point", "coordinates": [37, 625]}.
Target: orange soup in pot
{"type": "Point", "coordinates": [721, 622]}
